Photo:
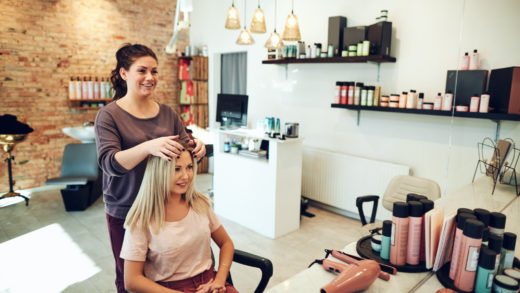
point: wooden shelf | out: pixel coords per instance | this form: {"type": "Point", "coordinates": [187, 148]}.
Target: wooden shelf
{"type": "Point", "coordinates": [91, 100]}
{"type": "Point", "coordinates": [357, 59]}
{"type": "Point", "coordinates": [492, 116]}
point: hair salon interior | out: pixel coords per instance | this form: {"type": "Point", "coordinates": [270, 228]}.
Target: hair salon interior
{"type": "Point", "coordinates": [314, 114]}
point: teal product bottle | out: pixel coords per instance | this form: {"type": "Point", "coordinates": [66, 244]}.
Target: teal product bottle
{"type": "Point", "coordinates": [386, 240]}
{"type": "Point", "coordinates": [485, 270]}
{"type": "Point", "coordinates": [507, 256]}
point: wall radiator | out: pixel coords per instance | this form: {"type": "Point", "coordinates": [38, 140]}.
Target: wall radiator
{"type": "Point", "coordinates": [337, 179]}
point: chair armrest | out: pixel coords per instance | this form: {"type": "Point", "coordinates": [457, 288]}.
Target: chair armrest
{"type": "Point", "coordinates": [359, 203]}
{"type": "Point", "coordinates": [265, 265]}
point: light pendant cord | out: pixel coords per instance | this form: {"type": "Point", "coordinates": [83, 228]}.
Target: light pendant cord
{"type": "Point", "coordinates": [292, 8]}
{"type": "Point", "coordinates": [275, 1]}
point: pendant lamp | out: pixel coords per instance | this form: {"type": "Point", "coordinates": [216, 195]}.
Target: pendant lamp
{"type": "Point", "coordinates": [245, 37]}
{"type": "Point", "coordinates": [291, 31]}
{"type": "Point", "coordinates": [258, 21]}
{"type": "Point", "coordinates": [232, 20]}
{"type": "Point", "coordinates": [274, 41]}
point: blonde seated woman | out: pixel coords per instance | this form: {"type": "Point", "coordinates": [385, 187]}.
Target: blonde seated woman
{"type": "Point", "coordinates": [169, 230]}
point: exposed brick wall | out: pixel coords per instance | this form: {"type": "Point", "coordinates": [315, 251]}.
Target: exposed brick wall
{"type": "Point", "coordinates": [43, 43]}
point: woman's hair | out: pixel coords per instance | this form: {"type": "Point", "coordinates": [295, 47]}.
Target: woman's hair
{"type": "Point", "coordinates": [125, 56]}
{"type": "Point", "coordinates": [148, 209]}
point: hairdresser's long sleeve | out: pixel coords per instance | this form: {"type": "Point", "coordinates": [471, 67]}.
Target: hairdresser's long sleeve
{"type": "Point", "coordinates": [118, 130]}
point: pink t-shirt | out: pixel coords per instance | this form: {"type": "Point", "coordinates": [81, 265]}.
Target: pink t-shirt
{"type": "Point", "coordinates": [179, 251]}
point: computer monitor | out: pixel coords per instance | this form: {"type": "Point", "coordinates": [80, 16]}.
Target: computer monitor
{"type": "Point", "coordinates": [233, 108]}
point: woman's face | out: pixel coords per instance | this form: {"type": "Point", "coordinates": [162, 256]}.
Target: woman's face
{"type": "Point", "coordinates": [183, 173]}
{"type": "Point", "coordinates": [142, 76]}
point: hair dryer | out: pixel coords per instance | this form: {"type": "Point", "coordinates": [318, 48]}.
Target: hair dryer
{"type": "Point", "coordinates": [348, 258]}
{"type": "Point", "coordinates": [351, 278]}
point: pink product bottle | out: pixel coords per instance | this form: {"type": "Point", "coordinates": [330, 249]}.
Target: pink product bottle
{"type": "Point", "coordinates": [474, 60]}
{"type": "Point", "coordinates": [350, 93]}
{"type": "Point", "coordinates": [465, 62]}
{"type": "Point", "coordinates": [72, 89]}
{"type": "Point", "coordinates": [484, 103]}
{"type": "Point", "coordinates": [411, 100]}
{"type": "Point", "coordinates": [402, 100]}
{"type": "Point", "coordinates": [495, 244]}
{"type": "Point", "coordinates": [461, 221]}
{"type": "Point", "coordinates": [399, 240]}
{"type": "Point", "coordinates": [468, 257]}
{"type": "Point", "coordinates": [337, 92]}
{"type": "Point", "coordinates": [427, 206]}
{"type": "Point", "coordinates": [473, 105]}
{"type": "Point", "coordinates": [437, 103]}
{"type": "Point", "coordinates": [84, 88]}
{"type": "Point", "coordinates": [96, 89]}
{"type": "Point", "coordinates": [415, 212]}
{"type": "Point", "coordinates": [78, 88]}
{"type": "Point", "coordinates": [343, 95]}
{"type": "Point", "coordinates": [447, 101]}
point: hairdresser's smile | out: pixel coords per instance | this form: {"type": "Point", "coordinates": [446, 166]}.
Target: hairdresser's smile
{"type": "Point", "coordinates": [142, 76]}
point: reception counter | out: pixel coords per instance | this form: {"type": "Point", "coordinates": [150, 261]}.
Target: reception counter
{"type": "Point", "coordinates": [262, 194]}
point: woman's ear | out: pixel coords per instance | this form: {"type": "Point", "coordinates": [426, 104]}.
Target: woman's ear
{"type": "Point", "coordinates": [122, 72]}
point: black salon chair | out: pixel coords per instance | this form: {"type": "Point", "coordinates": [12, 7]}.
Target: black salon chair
{"type": "Point", "coordinates": [82, 176]}
{"type": "Point", "coordinates": [252, 260]}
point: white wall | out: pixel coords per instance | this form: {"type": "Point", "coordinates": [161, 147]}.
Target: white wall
{"type": "Point", "coordinates": [428, 39]}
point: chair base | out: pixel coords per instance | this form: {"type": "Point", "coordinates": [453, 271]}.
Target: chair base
{"type": "Point", "coordinates": [76, 198]}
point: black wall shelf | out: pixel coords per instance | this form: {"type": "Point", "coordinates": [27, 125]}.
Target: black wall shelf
{"type": "Point", "coordinates": [492, 116]}
{"type": "Point", "coordinates": [357, 59]}
{"type": "Point", "coordinates": [496, 117]}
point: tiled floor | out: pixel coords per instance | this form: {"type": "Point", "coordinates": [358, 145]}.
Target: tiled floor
{"type": "Point", "coordinates": [46, 249]}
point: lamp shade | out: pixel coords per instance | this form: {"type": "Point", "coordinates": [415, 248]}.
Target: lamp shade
{"type": "Point", "coordinates": [232, 20]}
{"type": "Point", "coordinates": [258, 22]}
{"type": "Point", "coordinates": [291, 31]}
{"type": "Point", "coordinates": [245, 37]}
{"type": "Point", "coordinates": [274, 41]}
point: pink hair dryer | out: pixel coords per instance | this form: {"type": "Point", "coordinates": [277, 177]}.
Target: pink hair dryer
{"type": "Point", "coordinates": [351, 278]}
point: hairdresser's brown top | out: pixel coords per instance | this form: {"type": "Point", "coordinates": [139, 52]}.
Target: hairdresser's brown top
{"type": "Point", "coordinates": [118, 130]}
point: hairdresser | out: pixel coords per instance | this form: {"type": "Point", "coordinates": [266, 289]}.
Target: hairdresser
{"type": "Point", "coordinates": [130, 129]}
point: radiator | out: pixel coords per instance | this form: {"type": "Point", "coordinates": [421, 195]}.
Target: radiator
{"type": "Point", "coordinates": [337, 179]}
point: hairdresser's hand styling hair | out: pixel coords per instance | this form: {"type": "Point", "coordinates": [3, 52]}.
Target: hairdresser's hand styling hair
{"type": "Point", "coordinates": [128, 131]}
{"type": "Point", "coordinates": [169, 228]}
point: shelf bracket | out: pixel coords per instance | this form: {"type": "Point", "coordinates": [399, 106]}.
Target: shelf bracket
{"type": "Point", "coordinates": [378, 71]}
{"type": "Point", "coordinates": [286, 71]}
{"type": "Point", "coordinates": [358, 114]}
{"type": "Point", "coordinates": [497, 131]}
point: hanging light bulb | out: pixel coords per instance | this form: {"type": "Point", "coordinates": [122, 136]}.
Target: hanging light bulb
{"type": "Point", "coordinates": [258, 21]}
{"type": "Point", "coordinates": [291, 31]}
{"type": "Point", "coordinates": [274, 41]}
{"type": "Point", "coordinates": [232, 20]}
{"type": "Point", "coordinates": [245, 37]}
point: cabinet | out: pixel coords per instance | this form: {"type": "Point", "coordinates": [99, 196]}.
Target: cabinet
{"type": "Point", "coordinates": [262, 194]}
{"type": "Point", "coordinates": [193, 90]}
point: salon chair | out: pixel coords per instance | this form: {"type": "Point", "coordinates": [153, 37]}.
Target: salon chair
{"type": "Point", "coordinates": [397, 190]}
{"type": "Point", "coordinates": [81, 175]}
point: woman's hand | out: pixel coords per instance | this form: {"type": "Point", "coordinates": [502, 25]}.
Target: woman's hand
{"type": "Point", "coordinates": [212, 287]}
{"type": "Point", "coordinates": [200, 149]}
{"type": "Point", "coordinates": [165, 147]}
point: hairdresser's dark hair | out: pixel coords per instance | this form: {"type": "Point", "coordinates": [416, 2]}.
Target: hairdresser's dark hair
{"type": "Point", "coordinates": [125, 56]}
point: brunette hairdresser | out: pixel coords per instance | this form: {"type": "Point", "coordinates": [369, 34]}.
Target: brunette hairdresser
{"type": "Point", "coordinates": [130, 129]}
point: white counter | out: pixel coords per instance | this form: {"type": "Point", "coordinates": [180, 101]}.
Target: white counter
{"type": "Point", "coordinates": [260, 194]}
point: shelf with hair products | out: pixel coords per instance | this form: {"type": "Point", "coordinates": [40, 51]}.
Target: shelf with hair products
{"type": "Point", "coordinates": [354, 59]}
{"type": "Point", "coordinates": [495, 117]}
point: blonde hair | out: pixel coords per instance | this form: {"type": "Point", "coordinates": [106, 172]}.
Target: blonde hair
{"type": "Point", "coordinates": [148, 209]}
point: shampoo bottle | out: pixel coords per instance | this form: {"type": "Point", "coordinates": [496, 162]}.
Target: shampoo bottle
{"type": "Point", "coordinates": [78, 88]}
{"type": "Point", "coordinates": [485, 270]}
{"type": "Point", "coordinates": [415, 212]}
{"type": "Point", "coordinates": [96, 88]}
{"type": "Point", "coordinates": [427, 206]}
{"type": "Point", "coordinates": [457, 243]}
{"type": "Point", "coordinates": [399, 239]}
{"type": "Point", "coordinates": [497, 223]}
{"type": "Point", "coordinates": [437, 103]}
{"type": "Point", "coordinates": [84, 88]}
{"type": "Point", "coordinates": [474, 60]}
{"type": "Point", "coordinates": [507, 255]}
{"type": "Point", "coordinates": [469, 254]}
{"type": "Point", "coordinates": [72, 89]}
{"type": "Point", "coordinates": [495, 244]}
{"type": "Point", "coordinates": [102, 91]}
{"type": "Point", "coordinates": [386, 239]}
{"type": "Point", "coordinates": [465, 62]}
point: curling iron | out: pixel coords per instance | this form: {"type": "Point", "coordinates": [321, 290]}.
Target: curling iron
{"type": "Point", "coordinates": [351, 278]}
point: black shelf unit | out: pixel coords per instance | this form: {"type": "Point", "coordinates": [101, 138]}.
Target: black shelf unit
{"type": "Point", "coordinates": [496, 117]}
{"type": "Point", "coordinates": [357, 59]}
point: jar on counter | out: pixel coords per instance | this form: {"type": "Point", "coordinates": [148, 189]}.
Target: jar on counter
{"type": "Point", "coordinates": [393, 104]}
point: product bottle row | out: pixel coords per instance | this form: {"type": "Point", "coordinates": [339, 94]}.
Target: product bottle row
{"type": "Point", "coordinates": [88, 89]}
{"type": "Point", "coordinates": [356, 93]}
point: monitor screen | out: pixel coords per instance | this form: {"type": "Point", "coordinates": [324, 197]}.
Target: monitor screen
{"type": "Point", "coordinates": [232, 107]}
